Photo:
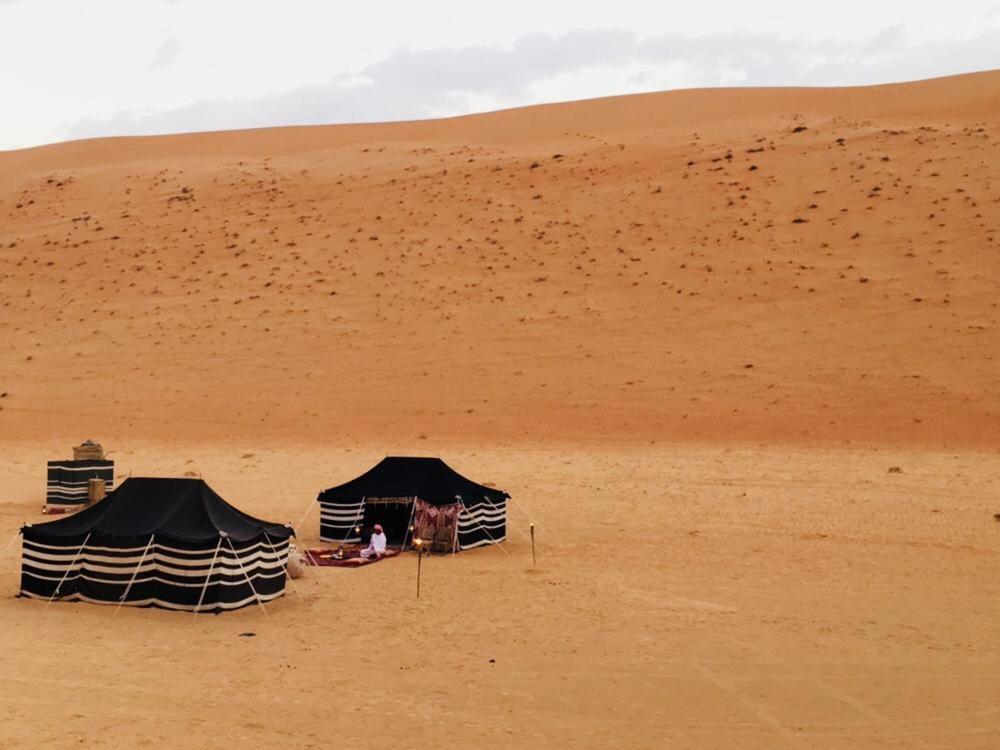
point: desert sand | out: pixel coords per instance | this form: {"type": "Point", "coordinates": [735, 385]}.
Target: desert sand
{"type": "Point", "coordinates": [734, 352]}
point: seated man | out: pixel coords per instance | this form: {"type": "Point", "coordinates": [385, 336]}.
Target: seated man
{"type": "Point", "coordinates": [377, 545]}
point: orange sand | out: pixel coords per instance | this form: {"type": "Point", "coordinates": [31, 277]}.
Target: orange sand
{"type": "Point", "coordinates": [591, 306]}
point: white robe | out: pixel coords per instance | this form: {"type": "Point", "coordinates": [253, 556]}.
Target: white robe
{"type": "Point", "coordinates": [376, 546]}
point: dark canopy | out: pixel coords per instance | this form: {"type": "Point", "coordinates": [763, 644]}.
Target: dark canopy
{"type": "Point", "coordinates": [186, 510]}
{"type": "Point", "coordinates": [430, 479]}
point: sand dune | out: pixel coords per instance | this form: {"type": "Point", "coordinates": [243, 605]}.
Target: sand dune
{"type": "Point", "coordinates": [749, 264]}
{"type": "Point", "coordinates": [707, 323]}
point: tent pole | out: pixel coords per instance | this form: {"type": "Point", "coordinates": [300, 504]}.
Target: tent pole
{"type": "Point", "coordinates": [534, 562]}
{"type": "Point", "coordinates": [63, 580]}
{"type": "Point", "coordinates": [420, 556]}
{"type": "Point", "coordinates": [128, 588]}
{"type": "Point", "coordinates": [413, 512]}
{"type": "Point", "coordinates": [208, 577]}
{"type": "Point", "coordinates": [247, 576]}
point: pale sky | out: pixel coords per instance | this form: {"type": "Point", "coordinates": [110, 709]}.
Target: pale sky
{"type": "Point", "coordinates": [83, 68]}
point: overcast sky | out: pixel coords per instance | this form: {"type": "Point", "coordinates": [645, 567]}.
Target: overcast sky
{"type": "Point", "coordinates": [83, 68]}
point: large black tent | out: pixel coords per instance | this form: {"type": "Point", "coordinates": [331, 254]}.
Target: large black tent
{"type": "Point", "coordinates": [403, 491]}
{"type": "Point", "coordinates": [171, 543]}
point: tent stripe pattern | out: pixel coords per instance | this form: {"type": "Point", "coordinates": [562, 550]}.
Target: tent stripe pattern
{"type": "Point", "coordinates": [170, 543]}
{"type": "Point", "coordinates": [337, 522]}
{"type": "Point", "coordinates": [164, 576]}
{"type": "Point", "coordinates": [481, 523]}
{"type": "Point", "coordinates": [68, 480]}
{"type": "Point", "coordinates": [482, 516]}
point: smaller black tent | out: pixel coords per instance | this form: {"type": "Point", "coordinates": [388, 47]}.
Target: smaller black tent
{"type": "Point", "coordinates": [395, 492]}
{"type": "Point", "coordinates": [68, 481]}
{"type": "Point", "coordinates": [171, 543]}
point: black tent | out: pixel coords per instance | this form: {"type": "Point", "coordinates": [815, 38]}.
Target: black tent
{"type": "Point", "coordinates": [400, 492]}
{"type": "Point", "coordinates": [68, 481]}
{"type": "Point", "coordinates": [171, 543]}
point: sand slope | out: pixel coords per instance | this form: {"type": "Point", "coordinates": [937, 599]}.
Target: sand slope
{"type": "Point", "coordinates": [734, 353]}
{"type": "Point", "coordinates": [680, 265]}
{"type": "Point", "coordinates": [804, 598]}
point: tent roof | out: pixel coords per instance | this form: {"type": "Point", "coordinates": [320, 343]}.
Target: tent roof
{"type": "Point", "coordinates": [187, 510]}
{"type": "Point", "coordinates": [430, 479]}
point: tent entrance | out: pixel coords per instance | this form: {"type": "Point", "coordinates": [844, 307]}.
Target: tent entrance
{"type": "Point", "coordinates": [393, 513]}
{"type": "Point", "coordinates": [437, 525]}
